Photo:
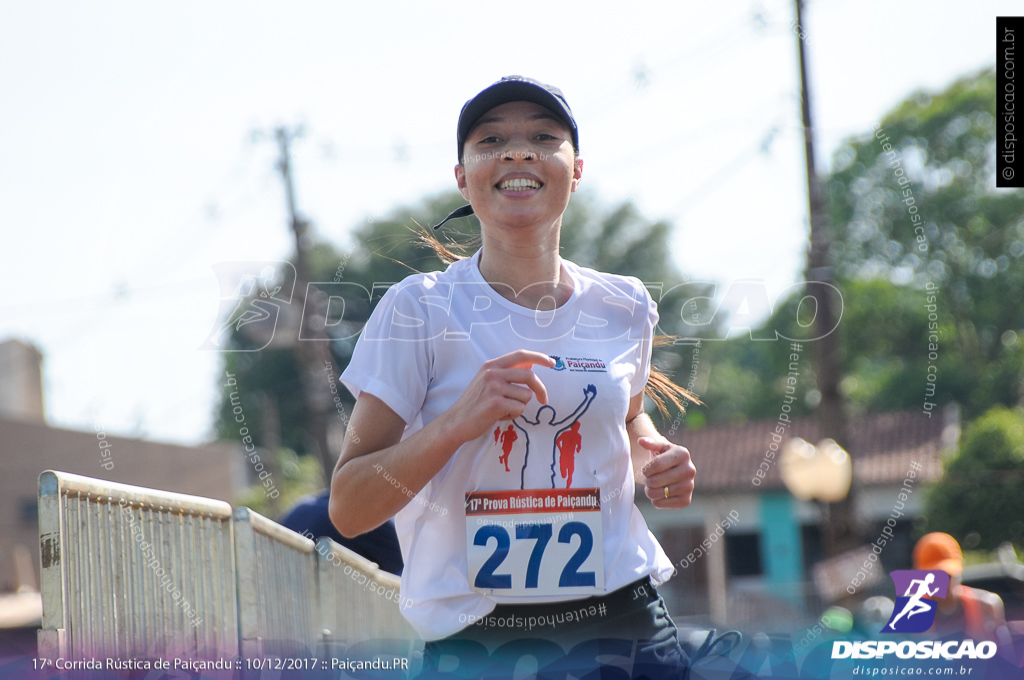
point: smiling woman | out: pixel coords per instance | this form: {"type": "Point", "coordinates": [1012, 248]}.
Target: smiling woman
{"type": "Point", "coordinates": [520, 197]}
{"type": "Point", "coordinates": [506, 390]}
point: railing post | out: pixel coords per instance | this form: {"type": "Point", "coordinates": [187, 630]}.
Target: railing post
{"type": "Point", "coordinates": [50, 638]}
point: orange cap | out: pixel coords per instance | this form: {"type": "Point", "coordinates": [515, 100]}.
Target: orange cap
{"type": "Point", "coordinates": [939, 551]}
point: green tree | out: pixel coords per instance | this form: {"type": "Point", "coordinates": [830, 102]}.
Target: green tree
{"type": "Point", "coordinates": [296, 476]}
{"type": "Point", "coordinates": [749, 372]}
{"type": "Point", "coordinates": [917, 206]}
{"type": "Point", "coordinates": [979, 499]}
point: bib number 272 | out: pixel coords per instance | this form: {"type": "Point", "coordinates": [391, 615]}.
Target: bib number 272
{"type": "Point", "coordinates": [542, 542]}
{"type": "Point", "coordinates": [541, 533]}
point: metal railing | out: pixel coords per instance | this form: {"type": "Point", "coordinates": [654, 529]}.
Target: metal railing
{"type": "Point", "coordinates": [277, 587]}
{"type": "Point", "coordinates": [359, 601]}
{"type": "Point", "coordinates": [128, 571]}
{"type": "Point", "coordinates": [135, 572]}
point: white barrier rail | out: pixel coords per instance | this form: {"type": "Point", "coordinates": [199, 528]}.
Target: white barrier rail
{"type": "Point", "coordinates": [277, 588]}
{"type": "Point", "coordinates": [359, 601]}
{"type": "Point", "coordinates": [130, 572]}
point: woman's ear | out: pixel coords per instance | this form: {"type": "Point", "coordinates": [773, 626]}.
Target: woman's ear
{"type": "Point", "coordinates": [460, 180]}
{"type": "Point", "coordinates": [577, 173]}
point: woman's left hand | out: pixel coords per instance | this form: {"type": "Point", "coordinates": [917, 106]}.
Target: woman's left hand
{"type": "Point", "coordinates": [669, 476]}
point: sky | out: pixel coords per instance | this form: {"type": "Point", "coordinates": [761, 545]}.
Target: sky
{"type": "Point", "coordinates": [135, 155]}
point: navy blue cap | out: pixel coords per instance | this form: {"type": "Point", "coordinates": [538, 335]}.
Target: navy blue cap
{"type": "Point", "coordinates": [516, 89]}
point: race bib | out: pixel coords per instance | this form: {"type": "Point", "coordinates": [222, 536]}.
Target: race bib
{"type": "Point", "coordinates": [535, 542]}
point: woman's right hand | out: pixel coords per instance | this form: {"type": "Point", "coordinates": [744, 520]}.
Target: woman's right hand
{"type": "Point", "coordinates": [362, 498]}
{"type": "Point", "coordinates": [500, 390]}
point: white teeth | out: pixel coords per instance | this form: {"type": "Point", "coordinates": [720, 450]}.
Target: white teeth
{"type": "Point", "coordinates": [519, 184]}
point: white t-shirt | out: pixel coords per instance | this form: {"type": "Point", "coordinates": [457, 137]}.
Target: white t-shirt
{"type": "Point", "coordinates": [422, 346]}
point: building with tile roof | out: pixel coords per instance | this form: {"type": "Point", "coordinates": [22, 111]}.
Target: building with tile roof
{"type": "Point", "coordinates": [746, 549]}
{"type": "Point", "coordinates": [28, 445]}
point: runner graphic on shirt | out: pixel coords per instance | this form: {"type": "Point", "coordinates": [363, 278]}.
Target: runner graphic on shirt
{"type": "Point", "coordinates": [545, 428]}
{"type": "Point", "coordinates": [507, 438]}
{"type": "Point", "coordinates": [568, 444]}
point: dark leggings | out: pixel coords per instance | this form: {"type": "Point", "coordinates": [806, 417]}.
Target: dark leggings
{"type": "Point", "coordinates": [625, 634]}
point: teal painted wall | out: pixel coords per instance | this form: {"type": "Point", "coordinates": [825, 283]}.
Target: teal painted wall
{"type": "Point", "coordinates": [781, 547]}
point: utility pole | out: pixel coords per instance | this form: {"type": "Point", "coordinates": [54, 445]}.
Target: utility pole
{"type": "Point", "coordinates": [840, 532]}
{"type": "Point", "coordinates": [311, 345]}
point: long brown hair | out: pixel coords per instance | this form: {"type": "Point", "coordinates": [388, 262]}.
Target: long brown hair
{"type": "Point", "coordinates": [660, 388]}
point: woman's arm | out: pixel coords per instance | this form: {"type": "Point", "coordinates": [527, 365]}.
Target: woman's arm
{"type": "Point", "coordinates": [657, 462]}
{"type": "Point", "coordinates": [362, 498]}
{"type": "Point", "coordinates": [362, 493]}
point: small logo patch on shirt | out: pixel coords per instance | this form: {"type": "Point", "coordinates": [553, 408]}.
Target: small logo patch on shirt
{"type": "Point", "coordinates": [579, 365]}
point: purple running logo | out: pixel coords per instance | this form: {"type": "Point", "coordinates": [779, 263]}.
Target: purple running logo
{"type": "Point", "coordinates": [913, 613]}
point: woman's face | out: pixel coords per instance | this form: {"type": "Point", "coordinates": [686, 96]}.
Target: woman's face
{"type": "Point", "coordinates": [518, 167]}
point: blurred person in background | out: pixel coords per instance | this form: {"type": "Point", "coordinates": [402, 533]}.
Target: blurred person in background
{"type": "Point", "coordinates": [309, 517]}
{"type": "Point", "coordinates": [971, 611]}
